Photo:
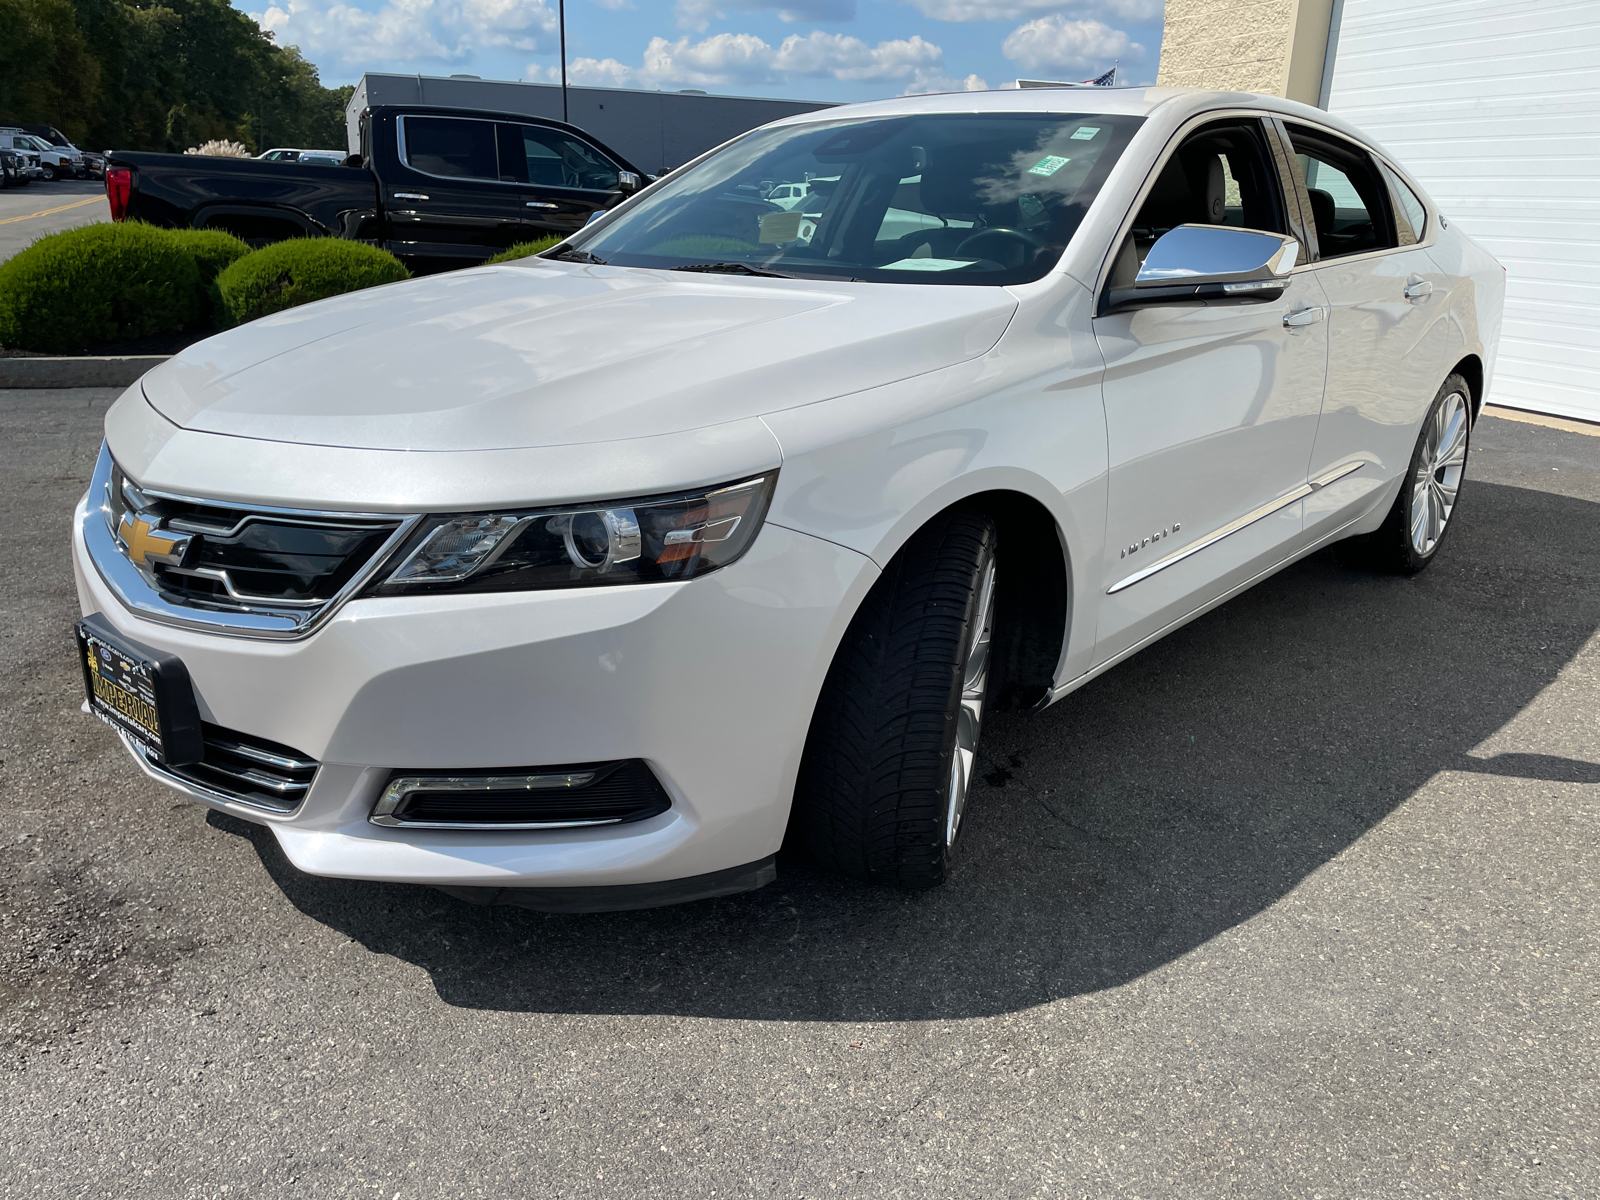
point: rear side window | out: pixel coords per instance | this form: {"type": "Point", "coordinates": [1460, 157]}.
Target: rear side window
{"type": "Point", "coordinates": [1410, 217]}
{"type": "Point", "coordinates": [1347, 194]}
{"type": "Point", "coordinates": [450, 146]}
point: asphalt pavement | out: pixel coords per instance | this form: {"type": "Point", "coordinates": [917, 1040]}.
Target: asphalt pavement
{"type": "Point", "coordinates": [1300, 902]}
{"type": "Point", "coordinates": [29, 213]}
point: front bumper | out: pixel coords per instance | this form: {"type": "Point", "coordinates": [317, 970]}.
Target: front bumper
{"type": "Point", "coordinates": [711, 682]}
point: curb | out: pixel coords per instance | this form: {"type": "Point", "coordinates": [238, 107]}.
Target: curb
{"type": "Point", "coordinates": [81, 372]}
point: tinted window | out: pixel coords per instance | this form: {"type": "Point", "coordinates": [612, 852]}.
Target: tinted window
{"type": "Point", "coordinates": [963, 198]}
{"type": "Point", "coordinates": [450, 146]}
{"type": "Point", "coordinates": [556, 160]}
{"type": "Point", "coordinates": [1220, 175]}
{"type": "Point", "coordinates": [1347, 196]}
{"type": "Point", "coordinates": [1410, 217]}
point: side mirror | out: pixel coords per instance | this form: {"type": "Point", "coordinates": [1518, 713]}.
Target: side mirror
{"type": "Point", "coordinates": [354, 160]}
{"type": "Point", "coordinates": [1210, 262]}
{"type": "Point", "coordinates": [628, 183]}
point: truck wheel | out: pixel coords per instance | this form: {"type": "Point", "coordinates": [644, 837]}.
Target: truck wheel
{"type": "Point", "coordinates": [49, 173]}
{"type": "Point", "coordinates": [882, 789]}
{"type": "Point", "coordinates": [1410, 536]}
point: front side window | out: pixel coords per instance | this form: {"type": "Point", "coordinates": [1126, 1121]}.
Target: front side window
{"type": "Point", "coordinates": [987, 198]}
{"type": "Point", "coordinates": [1222, 174]}
{"type": "Point", "coordinates": [553, 159]}
{"type": "Point", "coordinates": [1347, 194]}
{"type": "Point", "coordinates": [1410, 217]}
{"type": "Point", "coordinates": [450, 146]}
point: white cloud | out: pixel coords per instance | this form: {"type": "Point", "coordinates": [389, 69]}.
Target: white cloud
{"type": "Point", "coordinates": [335, 35]}
{"type": "Point", "coordinates": [1011, 10]}
{"type": "Point", "coordinates": [1054, 43]}
{"type": "Point", "coordinates": [698, 14]}
{"type": "Point", "coordinates": [744, 58]}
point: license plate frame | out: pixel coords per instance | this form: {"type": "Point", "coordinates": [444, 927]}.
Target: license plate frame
{"type": "Point", "coordinates": [141, 692]}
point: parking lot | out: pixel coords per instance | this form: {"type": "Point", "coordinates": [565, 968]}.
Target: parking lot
{"type": "Point", "coordinates": [28, 213]}
{"type": "Point", "coordinates": [1300, 902]}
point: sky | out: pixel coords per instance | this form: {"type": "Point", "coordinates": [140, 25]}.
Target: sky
{"type": "Point", "coordinates": [840, 50]}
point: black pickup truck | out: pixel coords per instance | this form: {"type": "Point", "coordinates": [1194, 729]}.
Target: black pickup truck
{"type": "Point", "coordinates": [437, 187]}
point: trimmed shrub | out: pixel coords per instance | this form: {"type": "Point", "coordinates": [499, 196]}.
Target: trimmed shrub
{"type": "Point", "coordinates": [525, 249]}
{"type": "Point", "coordinates": [286, 274]}
{"type": "Point", "coordinates": [95, 284]}
{"type": "Point", "coordinates": [213, 252]}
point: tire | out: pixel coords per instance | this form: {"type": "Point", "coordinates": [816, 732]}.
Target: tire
{"type": "Point", "coordinates": [49, 174]}
{"type": "Point", "coordinates": [881, 794]}
{"type": "Point", "coordinates": [1422, 516]}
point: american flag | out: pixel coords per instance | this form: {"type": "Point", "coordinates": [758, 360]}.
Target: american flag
{"type": "Point", "coordinates": [1109, 79]}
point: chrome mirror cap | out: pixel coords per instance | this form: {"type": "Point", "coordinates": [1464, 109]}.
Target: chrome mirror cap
{"type": "Point", "coordinates": [1209, 263]}
{"type": "Point", "coordinates": [1217, 254]}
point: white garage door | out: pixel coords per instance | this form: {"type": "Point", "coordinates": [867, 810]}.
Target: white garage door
{"type": "Point", "coordinates": [1494, 105]}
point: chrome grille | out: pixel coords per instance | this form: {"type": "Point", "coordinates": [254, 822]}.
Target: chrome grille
{"type": "Point", "coordinates": [246, 572]}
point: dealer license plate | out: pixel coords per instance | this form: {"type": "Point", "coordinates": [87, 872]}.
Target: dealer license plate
{"type": "Point", "coordinates": [140, 692]}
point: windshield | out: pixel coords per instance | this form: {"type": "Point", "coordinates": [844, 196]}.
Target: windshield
{"type": "Point", "coordinates": [971, 198]}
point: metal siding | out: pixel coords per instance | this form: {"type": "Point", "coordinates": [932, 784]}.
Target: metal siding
{"type": "Point", "coordinates": [1494, 105]}
{"type": "Point", "coordinates": [653, 130]}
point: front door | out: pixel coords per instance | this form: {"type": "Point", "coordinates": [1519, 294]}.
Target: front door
{"type": "Point", "coordinates": [1211, 410]}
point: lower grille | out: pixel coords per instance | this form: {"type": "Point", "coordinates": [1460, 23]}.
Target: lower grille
{"type": "Point", "coordinates": [246, 770]}
{"type": "Point", "coordinates": [609, 793]}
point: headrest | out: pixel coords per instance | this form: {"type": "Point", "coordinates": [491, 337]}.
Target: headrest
{"type": "Point", "coordinates": [1322, 210]}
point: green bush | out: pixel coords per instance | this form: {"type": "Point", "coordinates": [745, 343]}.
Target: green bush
{"type": "Point", "coordinates": [95, 284]}
{"type": "Point", "coordinates": [299, 271]}
{"type": "Point", "coordinates": [213, 251]}
{"type": "Point", "coordinates": [524, 249]}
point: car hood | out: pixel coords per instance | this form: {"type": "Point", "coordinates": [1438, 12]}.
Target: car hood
{"type": "Point", "coordinates": [550, 354]}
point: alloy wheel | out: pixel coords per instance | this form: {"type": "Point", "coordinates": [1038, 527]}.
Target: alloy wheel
{"type": "Point", "coordinates": [1439, 469]}
{"type": "Point", "coordinates": [969, 722]}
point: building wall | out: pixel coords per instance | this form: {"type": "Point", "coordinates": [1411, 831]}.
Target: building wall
{"type": "Point", "coordinates": [1270, 46]}
{"type": "Point", "coordinates": [655, 131]}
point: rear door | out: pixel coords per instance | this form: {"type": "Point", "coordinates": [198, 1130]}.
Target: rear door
{"type": "Point", "coordinates": [451, 196]}
{"type": "Point", "coordinates": [1386, 354]}
{"type": "Point", "coordinates": [1211, 408]}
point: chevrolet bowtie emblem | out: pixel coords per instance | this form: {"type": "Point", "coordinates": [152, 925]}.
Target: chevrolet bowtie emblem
{"type": "Point", "coordinates": [146, 545]}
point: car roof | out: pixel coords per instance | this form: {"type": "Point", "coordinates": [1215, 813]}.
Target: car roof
{"type": "Point", "coordinates": [1173, 104]}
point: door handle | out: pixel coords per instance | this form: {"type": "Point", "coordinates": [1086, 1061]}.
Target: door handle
{"type": "Point", "coordinates": [1303, 316]}
{"type": "Point", "coordinates": [1418, 288]}
{"type": "Point", "coordinates": [541, 204]}
{"type": "Point", "coordinates": [409, 195]}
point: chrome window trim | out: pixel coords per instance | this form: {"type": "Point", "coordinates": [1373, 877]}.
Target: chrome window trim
{"type": "Point", "coordinates": [400, 146]}
{"type": "Point", "coordinates": [266, 622]}
{"type": "Point", "coordinates": [1234, 526]}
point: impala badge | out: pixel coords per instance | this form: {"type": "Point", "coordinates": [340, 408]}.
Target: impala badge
{"type": "Point", "coordinates": [1151, 540]}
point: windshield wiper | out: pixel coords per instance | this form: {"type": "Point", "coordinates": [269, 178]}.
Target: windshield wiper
{"type": "Point", "coordinates": [573, 254]}
{"type": "Point", "coordinates": [731, 268]}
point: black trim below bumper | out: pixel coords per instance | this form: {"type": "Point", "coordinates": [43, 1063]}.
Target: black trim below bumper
{"type": "Point", "coordinates": [624, 897]}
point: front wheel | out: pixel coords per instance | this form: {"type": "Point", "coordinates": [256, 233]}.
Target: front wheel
{"type": "Point", "coordinates": [49, 174]}
{"type": "Point", "coordinates": [1410, 536]}
{"type": "Point", "coordinates": [882, 791]}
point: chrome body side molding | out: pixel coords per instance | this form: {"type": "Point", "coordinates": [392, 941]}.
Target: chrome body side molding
{"type": "Point", "coordinates": [1232, 527]}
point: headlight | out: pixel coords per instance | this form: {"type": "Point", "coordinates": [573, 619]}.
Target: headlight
{"type": "Point", "coordinates": [624, 541]}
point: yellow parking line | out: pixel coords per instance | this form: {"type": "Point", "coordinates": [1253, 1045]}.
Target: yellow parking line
{"type": "Point", "coordinates": [46, 212]}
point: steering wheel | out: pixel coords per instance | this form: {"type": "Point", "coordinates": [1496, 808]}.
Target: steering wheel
{"type": "Point", "coordinates": [1028, 242]}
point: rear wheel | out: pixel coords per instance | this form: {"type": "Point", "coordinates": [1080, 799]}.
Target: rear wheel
{"type": "Point", "coordinates": [1410, 536]}
{"type": "Point", "coordinates": [882, 792]}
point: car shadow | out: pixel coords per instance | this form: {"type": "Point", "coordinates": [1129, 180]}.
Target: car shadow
{"type": "Point", "coordinates": [1164, 803]}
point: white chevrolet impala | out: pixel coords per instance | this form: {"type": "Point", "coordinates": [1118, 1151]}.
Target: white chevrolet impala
{"type": "Point", "coordinates": [581, 582]}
